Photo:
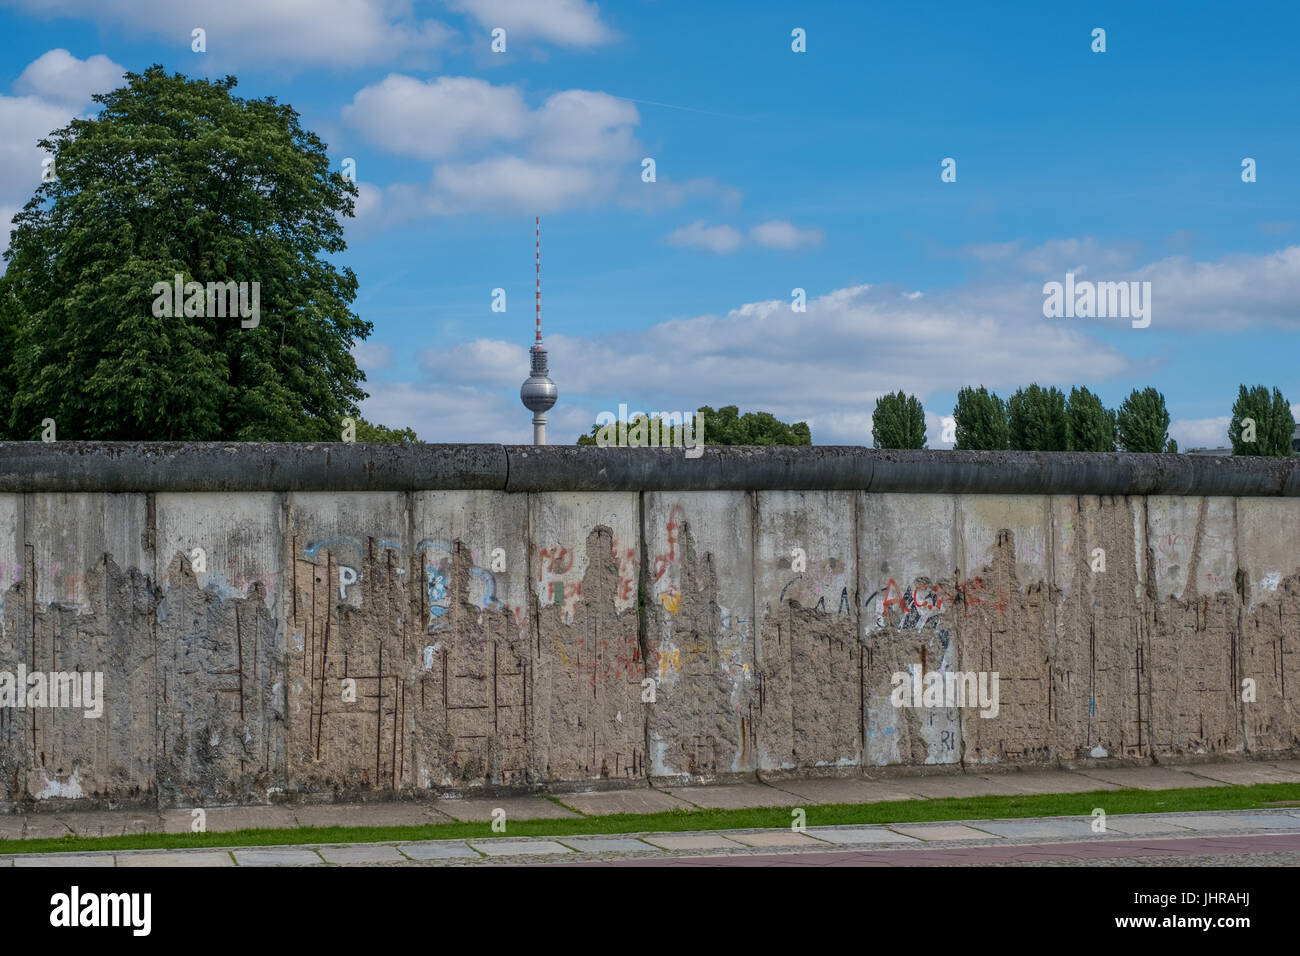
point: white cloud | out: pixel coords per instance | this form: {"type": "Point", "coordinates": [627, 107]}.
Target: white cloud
{"type": "Point", "coordinates": [369, 201]}
{"type": "Point", "coordinates": [497, 364]}
{"type": "Point", "coordinates": [934, 430]}
{"type": "Point", "coordinates": [327, 32]}
{"type": "Point", "coordinates": [373, 356]}
{"type": "Point", "coordinates": [570, 151]}
{"type": "Point", "coordinates": [828, 365]}
{"type": "Point", "coordinates": [1083, 256]}
{"type": "Point", "coordinates": [25, 119]}
{"type": "Point", "coordinates": [1200, 432]}
{"type": "Point", "coordinates": [758, 356]}
{"type": "Point", "coordinates": [584, 125]}
{"type": "Point", "coordinates": [437, 118]}
{"type": "Point", "coordinates": [574, 23]}
{"type": "Point", "coordinates": [509, 182]}
{"type": "Point", "coordinates": [60, 77]}
{"type": "Point", "coordinates": [720, 239]}
{"type": "Point", "coordinates": [448, 413]}
{"type": "Point", "coordinates": [1229, 294]}
{"type": "Point", "coordinates": [1208, 432]}
{"type": "Point", "coordinates": [667, 194]}
{"type": "Point", "coordinates": [779, 234]}
{"type": "Point", "coordinates": [53, 82]}
{"type": "Point", "coordinates": [775, 234]}
{"type": "Point", "coordinates": [462, 413]}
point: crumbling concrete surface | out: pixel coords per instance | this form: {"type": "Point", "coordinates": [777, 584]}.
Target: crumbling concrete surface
{"type": "Point", "coordinates": [259, 646]}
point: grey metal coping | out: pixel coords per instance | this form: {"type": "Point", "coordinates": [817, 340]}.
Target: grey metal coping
{"type": "Point", "coordinates": [69, 466]}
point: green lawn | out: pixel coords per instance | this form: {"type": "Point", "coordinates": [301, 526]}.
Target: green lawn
{"type": "Point", "coordinates": [1260, 796]}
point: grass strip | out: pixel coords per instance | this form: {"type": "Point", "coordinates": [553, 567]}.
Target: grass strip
{"type": "Point", "coordinates": [1256, 797]}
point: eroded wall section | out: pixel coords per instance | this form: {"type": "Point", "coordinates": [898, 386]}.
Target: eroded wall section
{"type": "Point", "coordinates": [250, 647]}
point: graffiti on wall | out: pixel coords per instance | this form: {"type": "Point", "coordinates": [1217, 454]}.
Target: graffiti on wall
{"type": "Point", "coordinates": [484, 590]}
{"type": "Point", "coordinates": [559, 576]}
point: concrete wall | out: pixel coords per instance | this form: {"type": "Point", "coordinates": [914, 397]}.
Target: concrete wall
{"type": "Point", "coordinates": [634, 620]}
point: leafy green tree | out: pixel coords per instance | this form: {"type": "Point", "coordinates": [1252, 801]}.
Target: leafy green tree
{"type": "Point", "coordinates": [1089, 425]}
{"type": "Point", "coordinates": [898, 422]}
{"type": "Point", "coordinates": [1274, 423]}
{"type": "Point", "coordinates": [981, 421]}
{"type": "Point", "coordinates": [179, 176]}
{"type": "Point", "coordinates": [1143, 422]}
{"type": "Point", "coordinates": [726, 426]}
{"type": "Point", "coordinates": [10, 322]}
{"type": "Point", "coordinates": [1036, 419]}
{"type": "Point", "coordinates": [368, 432]}
{"type": "Point", "coordinates": [1172, 447]}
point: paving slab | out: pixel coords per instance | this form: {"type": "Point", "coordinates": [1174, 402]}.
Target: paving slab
{"type": "Point", "coordinates": [362, 853]}
{"type": "Point", "coordinates": [1036, 829]}
{"type": "Point", "coordinates": [1052, 781]}
{"type": "Point", "coordinates": [1148, 778]}
{"type": "Point", "coordinates": [229, 819]}
{"type": "Point", "coordinates": [1291, 766]}
{"type": "Point", "coordinates": [175, 858]}
{"type": "Point", "coordinates": [64, 859]}
{"type": "Point", "coordinates": [478, 810]}
{"type": "Point", "coordinates": [1243, 821]}
{"type": "Point", "coordinates": [1144, 825]}
{"type": "Point", "coordinates": [519, 847]}
{"type": "Point", "coordinates": [1245, 774]}
{"type": "Point", "coordinates": [369, 815]}
{"type": "Point", "coordinates": [849, 790]}
{"type": "Point", "coordinates": [957, 785]}
{"type": "Point", "coordinates": [774, 838]}
{"type": "Point", "coordinates": [736, 796]}
{"type": "Point", "coordinates": [606, 844]}
{"type": "Point", "coordinates": [941, 831]}
{"type": "Point", "coordinates": [856, 835]}
{"type": "Point", "coordinates": [624, 801]}
{"type": "Point", "coordinates": [438, 851]}
{"type": "Point", "coordinates": [277, 856]}
{"type": "Point", "coordinates": [692, 841]}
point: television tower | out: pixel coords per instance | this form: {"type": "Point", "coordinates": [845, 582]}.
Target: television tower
{"type": "Point", "coordinates": [538, 393]}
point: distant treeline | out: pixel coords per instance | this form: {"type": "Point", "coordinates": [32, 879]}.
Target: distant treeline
{"type": "Point", "coordinates": [1046, 419]}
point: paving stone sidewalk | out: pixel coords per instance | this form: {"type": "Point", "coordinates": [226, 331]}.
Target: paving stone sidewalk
{"type": "Point", "coordinates": [943, 843]}
{"type": "Point", "coordinates": [792, 793]}
{"type": "Point", "coordinates": [782, 793]}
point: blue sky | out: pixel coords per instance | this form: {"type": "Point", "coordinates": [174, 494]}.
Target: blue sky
{"type": "Point", "coordinates": [774, 170]}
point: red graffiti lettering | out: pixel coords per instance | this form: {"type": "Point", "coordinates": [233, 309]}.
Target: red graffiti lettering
{"type": "Point", "coordinates": [892, 596]}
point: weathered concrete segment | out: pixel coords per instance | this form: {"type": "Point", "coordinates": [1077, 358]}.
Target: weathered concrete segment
{"type": "Point", "coordinates": [320, 622]}
{"type": "Point", "coordinates": [336, 466]}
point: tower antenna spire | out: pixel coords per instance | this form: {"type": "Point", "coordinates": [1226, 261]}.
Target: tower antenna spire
{"type": "Point", "coordinates": [538, 393]}
{"type": "Point", "coordinates": [539, 280]}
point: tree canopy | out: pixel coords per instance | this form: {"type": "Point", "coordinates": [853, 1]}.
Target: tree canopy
{"type": "Point", "coordinates": [726, 426]}
{"type": "Point", "coordinates": [179, 177]}
{"type": "Point", "coordinates": [1036, 419]}
{"type": "Point", "coordinates": [1089, 425]}
{"type": "Point", "coordinates": [981, 421]}
{"type": "Point", "coordinates": [1143, 422]}
{"type": "Point", "coordinates": [898, 422]}
{"type": "Point", "coordinates": [1273, 423]}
